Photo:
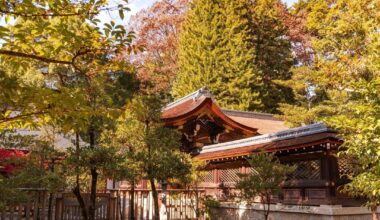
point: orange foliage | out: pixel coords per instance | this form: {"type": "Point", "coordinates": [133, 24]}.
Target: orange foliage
{"type": "Point", "coordinates": [157, 30]}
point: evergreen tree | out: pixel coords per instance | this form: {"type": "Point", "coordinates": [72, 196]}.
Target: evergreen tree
{"type": "Point", "coordinates": [273, 52]}
{"type": "Point", "coordinates": [216, 51]}
{"type": "Point", "coordinates": [238, 49]}
{"type": "Point", "coordinates": [156, 156]}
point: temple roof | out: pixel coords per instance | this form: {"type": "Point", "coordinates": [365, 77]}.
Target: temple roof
{"type": "Point", "coordinates": [288, 139]}
{"type": "Point", "coordinates": [265, 123]}
{"type": "Point", "coordinates": [197, 105]}
{"type": "Point", "coordinates": [239, 133]}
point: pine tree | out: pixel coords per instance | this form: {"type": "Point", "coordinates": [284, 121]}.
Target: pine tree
{"type": "Point", "coordinates": [216, 51]}
{"type": "Point", "coordinates": [273, 52]}
{"type": "Point", "coordinates": [238, 49]}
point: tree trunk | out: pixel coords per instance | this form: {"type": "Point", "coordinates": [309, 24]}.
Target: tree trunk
{"type": "Point", "coordinates": [94, 180]}
{"type": "Point", "coordinates": [197, 212]}
{"type": "Point", "coordinates": [76, 189]}
{"type": "Point", "coordinates": [155, 200]}
{"type": "Point", "coordinates": [82, 205]}
{"type": "Point", "coordinates": [132, 202]}
{"type": "Point", "coordinates": [50, 206]}
{"type": "Point", "coordinates": [265, 200]}
{"type": "Point", "coordinates": [92, 206]}
{"type": "Point", "coordinates": [51, 195]}
{"type": "Point", "coordinates": [267, 211]}
{"type": "Point", "coordinates": [375, 216]}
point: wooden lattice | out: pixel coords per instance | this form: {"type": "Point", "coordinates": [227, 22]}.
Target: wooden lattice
{"type": "Point", "coordinates": [306, 170]}
{"type": "Point", "coordinates": [208, 177]}
{"type": "Point", "coordinates": [344, 165]}
{"type": "Point", "coordinates": [250, 170]}
{"type": "Point", "coordinates": [229, 175]}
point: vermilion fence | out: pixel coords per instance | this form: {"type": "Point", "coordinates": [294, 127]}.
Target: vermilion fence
{"type": "Point", "coordinates": [114, 205]}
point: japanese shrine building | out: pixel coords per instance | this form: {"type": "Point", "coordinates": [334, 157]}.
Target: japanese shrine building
{"type": "Point", "coordinates": [224, 138]}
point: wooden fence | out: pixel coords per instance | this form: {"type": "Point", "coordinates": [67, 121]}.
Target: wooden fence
{"type": "Point", "coordinates": [180, 204]}
{"type": "Point", "coordinates": [114, 205]}
{"type": "Point", "coordinates": [36, 207]}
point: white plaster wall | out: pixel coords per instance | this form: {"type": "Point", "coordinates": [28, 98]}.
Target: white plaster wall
{"type": "Point", "coordinates": [290, 212]}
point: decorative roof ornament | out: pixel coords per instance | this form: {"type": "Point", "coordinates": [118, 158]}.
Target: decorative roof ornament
{"type": "Point", "coordinates": [204, 91]}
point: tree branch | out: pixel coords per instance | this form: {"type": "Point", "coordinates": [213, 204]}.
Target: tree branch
{"type": "Point", "coordinates": [40, 14]}
{"type": "Point", "coordinates": [47, 14]}
{"type": "Point", "coordinates": [3, 120]}
{"type": "Point", "coordinates": [31, 56]}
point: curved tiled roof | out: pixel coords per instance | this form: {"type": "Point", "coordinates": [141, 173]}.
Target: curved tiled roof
{"type": "Point", "coordinates": [195, 104]}
{"type": "Point", "coordinates": [293, 137]}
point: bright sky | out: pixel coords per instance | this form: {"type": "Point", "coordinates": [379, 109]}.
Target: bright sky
{"type": "Point", "coordinates": [137, 5]}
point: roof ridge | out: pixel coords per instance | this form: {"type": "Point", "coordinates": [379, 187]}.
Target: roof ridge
{"type": "Point", "coordinates": [265, 138]}
{"type": "Point", "coordinates": [194, 95]}
{"type": "Point", "coordinates": [248, 112]}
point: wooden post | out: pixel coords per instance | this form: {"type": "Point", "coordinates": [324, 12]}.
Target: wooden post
{"type": "Point", "coordinates": [112, 206]}
{"type": "Point", "coordinates": [19, 211]}
{"type": "Point", "coordinates": [3, 214]}
{"type": "Point", "coordinates": [43, 204]}
{"type": "Point", "coordinates": [27, 210]}
{"type": "Point", "coordinates": [11, 212]}
{"type": "Point", "coordinates": [215, 175]}
{"type": "Point", "coordinates": [59, 207]}
{"type": "Point", "coordinates": [124, 206]}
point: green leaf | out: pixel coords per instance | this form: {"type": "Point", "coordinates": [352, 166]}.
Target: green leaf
{"type": "Point", "coordinates": [108, 26]}
{"type": "Point", "coordinates": [121, 14]}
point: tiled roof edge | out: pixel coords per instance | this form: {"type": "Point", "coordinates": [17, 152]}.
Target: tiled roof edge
{"type": "Point", "coordinates": [249, 114]}
{"type": "Point", "coordinates": [266, 138]}
{"type": "Point", "coordinates": [195, 95]}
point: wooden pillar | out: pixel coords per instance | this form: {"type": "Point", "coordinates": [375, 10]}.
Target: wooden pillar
{"type": "Point", "coordinates": [112, 205]}
{"type": "Point", "coordinates": [59, 207]}
{"type": "Point", "coordinates": [334, 172]}
{"type": "Point", "coordinates": [330, 173]}
{"type": "Point", "coordinates": [215, 175]}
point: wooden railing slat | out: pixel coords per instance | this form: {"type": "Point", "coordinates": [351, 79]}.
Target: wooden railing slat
{"type": "Point", "coordinates": [19, 211]}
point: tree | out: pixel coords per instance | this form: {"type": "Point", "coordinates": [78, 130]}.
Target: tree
{"type": "Point", "coordinates": [295, 20]}
{"type": "Point", "coordinates": [264, 180]}
{"type": "Point", "coordinates": [42, 36]}
{"type": "Point", "coordinates": [101, 108]}
{"type": "Point", "coordinates": [21, 44]}
{"type": "Point", "coordinates": [345, 69]}
{"type": "Point", "coordinates": [359, 126]}
{"type": "Point", "coordinates": [157, 31]}
{"type": "Point", "coordinates": [192, 182]}
{"type": "Point", "coordinates": [55, 52]}
{"type": "Point", "coordinates": [32, 169]}
{"type": "Point", "coordinates": [273, 54]}
{"type": "Point", "coordinates": [155, 146]}
{"type": "Point", "coordinates": [308, 98]}
{"type": "Point", "coordinates": [216, 51]}
{"type": "Point", "coordinates": [238, 49]}
{"type": "Point", "coordinates": [131, 168]}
